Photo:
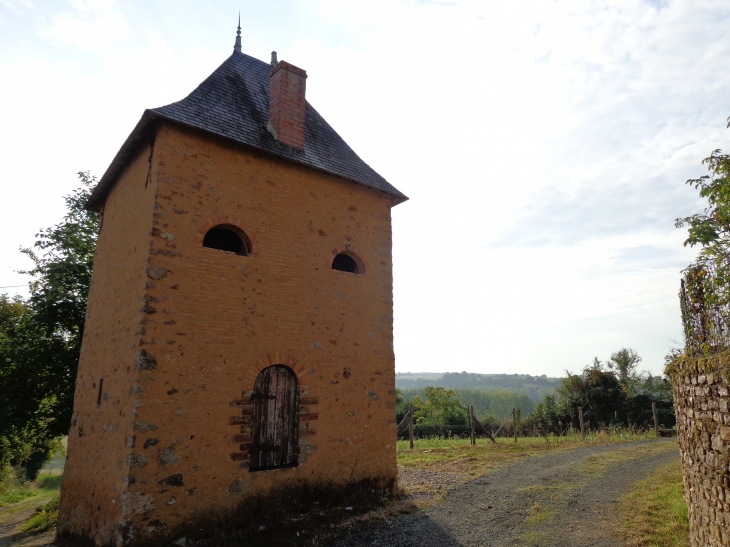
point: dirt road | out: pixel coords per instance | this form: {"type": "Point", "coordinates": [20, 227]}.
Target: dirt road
{"type": "Point", "coordinates": [12, 518]}
{"type": "Point", "coordinates": [558, 500]}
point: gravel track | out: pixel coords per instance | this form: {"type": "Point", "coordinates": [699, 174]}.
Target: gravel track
{"type": "Point", "coordinates": [558, 500]}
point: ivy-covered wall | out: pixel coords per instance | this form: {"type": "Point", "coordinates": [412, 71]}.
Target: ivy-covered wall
{"type": "Point", "coordinates": [701, 387]}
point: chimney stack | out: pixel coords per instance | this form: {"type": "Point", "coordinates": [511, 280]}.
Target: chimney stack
{"type": "Point", "coordinates": [287, 104]}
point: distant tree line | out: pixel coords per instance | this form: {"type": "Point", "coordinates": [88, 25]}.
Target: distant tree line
{"type": "Point", "coordinates": [612, 394]}
{"type": "Point", "coordinates": [535, 387]}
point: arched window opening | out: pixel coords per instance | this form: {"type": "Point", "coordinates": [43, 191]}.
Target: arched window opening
{"type": "Point", "coordinates": [275, 431]}
{"type": "Point", "coordinates": [346, 263]}
{"type": "Point", "coordinates": [226, 237]}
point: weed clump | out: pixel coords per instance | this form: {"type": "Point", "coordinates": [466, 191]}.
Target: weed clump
{"type": "Point", "coordinates": [45, 517]}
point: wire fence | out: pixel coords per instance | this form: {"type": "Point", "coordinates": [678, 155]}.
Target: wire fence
{"type": "Point", "coordinates": [704, 298]}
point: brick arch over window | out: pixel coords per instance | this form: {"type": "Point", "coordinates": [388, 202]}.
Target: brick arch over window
{"type": "Point", "coordinates": [227, 237]}
{"type": "Point", "coordinates": [244, 420]}
{"type": "Point", "coordinates": [348, 259]}
{"type": "Point", "coordinates": [234, 223]}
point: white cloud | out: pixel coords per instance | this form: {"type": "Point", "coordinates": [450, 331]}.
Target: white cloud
{"type": "Point", "coordinates": [534, 149]}
{"type": "Point", "coordinates": [91, 25]}
{"type": "Point", "coordinates": [544, 146]}
{"type": "Point", "coordinates": [17, 6]}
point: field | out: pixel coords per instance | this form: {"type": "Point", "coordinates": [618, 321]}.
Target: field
{"type": "Point", "coordinates": [458, 454]}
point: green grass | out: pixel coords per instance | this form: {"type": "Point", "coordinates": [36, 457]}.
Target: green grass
{"type": "Point", "coordinates": [49, 482]}
{"type": "Point", "coordinates": [599, 464]}
{"type": "Point", "coordinates": [459, 456]}
{"type": "Point", "coordinates": [655, 513]}
{"type": "Point", "coordinates": [45, 517]}
{"type": "Point", "coordinates": [18, 495]}
{"type": "Point", "coordinates": [538, 514]}
{"type": "Point", "coordinates": [14, 490]}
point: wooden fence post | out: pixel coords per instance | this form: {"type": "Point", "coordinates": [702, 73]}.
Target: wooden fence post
{"type": "Point", "coordinates": [656, 418]}
{"type": "Point", "coordinates": [410, 426]}
{"type": "Point", "coordinates": [471, 424]}
{"type": "Point", "coordinates": [514, 421]}
{"type": "Point", "coordinates": [582, 425]}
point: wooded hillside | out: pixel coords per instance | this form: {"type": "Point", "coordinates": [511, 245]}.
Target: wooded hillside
{"type": "Point", "coordinates": [535, 387]}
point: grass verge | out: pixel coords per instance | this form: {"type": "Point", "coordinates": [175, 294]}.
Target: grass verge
{"type": "Point", "coordinates": [14, 489]}
{"type": "Point", "coordinates": [598, 464]}
{"type": "Point", "coordinates": [45, 517]}
{"type": "Point", "coordinates": [655, 513]}
{"type": "Point", "coordinates": [18, 496]}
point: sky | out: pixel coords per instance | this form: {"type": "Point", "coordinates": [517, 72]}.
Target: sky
{"type": "Point", "coordinates": [544, 146]}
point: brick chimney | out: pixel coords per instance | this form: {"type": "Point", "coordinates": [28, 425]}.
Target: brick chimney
{"type": "Point", "coordinates": [287, 104]}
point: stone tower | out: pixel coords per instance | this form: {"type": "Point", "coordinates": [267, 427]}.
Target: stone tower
{"type": "Point", "coordinates": [239, 333]}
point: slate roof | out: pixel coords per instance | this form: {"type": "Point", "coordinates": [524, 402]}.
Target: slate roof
{"type": "Point", "coordinates": [233, 102]}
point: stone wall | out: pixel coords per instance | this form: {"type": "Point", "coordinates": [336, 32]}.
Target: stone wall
{"type": "Point", "coordinates": [701, 387]}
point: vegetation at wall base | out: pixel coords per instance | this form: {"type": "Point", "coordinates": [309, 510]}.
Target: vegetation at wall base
{"type": "Point", "coordinates": [655, 512]}
{"type": "Point", "coordinates": [45, 517]}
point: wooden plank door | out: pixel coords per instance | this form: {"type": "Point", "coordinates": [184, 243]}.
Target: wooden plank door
{"type": "Point", "coordinates": [274, 439]}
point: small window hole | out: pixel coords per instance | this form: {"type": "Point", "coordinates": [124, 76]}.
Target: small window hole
{"type": "Point", "coordinates": [101, 388]}
{"type": "Point", "coordinates": [226, 237]}
{"type": "Point", "coordinates": [346, 263]}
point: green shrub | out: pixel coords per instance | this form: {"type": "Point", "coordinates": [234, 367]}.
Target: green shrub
{"type": "Point", "coordinates": [13, 486]}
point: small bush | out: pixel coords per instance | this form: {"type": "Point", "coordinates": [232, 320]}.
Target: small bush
{"type": "Point", "coordinates": [49, 482]}
{"type": "Point", "coordinates": [45, 518]}
{"type": "Point", "coordinates": [14, 487]}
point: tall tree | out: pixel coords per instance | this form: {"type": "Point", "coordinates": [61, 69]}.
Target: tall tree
{"type": "Point", "coordinates": [711, 228]}
{"type": "Point", "coordinates": [625, 362]}
{"type": "Point", "coordinates": [39, 361]}
{"type": "Point", "coordinates": [440, 407]}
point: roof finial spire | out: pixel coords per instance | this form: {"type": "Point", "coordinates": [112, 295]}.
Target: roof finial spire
{"type": "Point", "coordinates": [237, 47]}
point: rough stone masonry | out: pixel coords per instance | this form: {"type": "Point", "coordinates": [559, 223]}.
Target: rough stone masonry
{"type": "Point", "coordinates": [701, 388]}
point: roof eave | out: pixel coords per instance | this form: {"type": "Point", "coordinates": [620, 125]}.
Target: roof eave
{"type": "Point", "coordinates": [141, 130]}
{"type": "Point", "coordinates": [106, 182]}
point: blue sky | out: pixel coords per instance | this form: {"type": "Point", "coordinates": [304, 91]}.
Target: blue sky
{"type": "Point", "coordinates": [544, 146]}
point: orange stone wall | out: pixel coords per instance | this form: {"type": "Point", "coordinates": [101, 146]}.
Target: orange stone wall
{"type": "Point", "coordinates": [93, 482]}
{"type": "Point", "coordinates": [182, 331]}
